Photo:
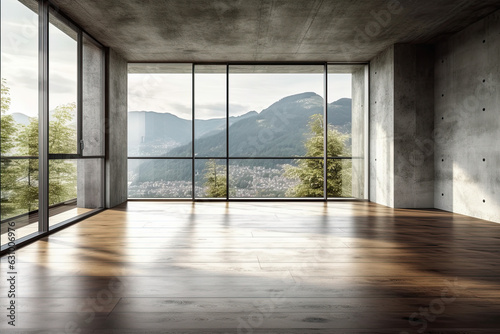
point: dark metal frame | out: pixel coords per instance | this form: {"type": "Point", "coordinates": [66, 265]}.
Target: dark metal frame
{"type": "Point", "coordinates": [228, 158]}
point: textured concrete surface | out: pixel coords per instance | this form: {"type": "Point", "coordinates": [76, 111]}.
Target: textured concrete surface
{"type": "Point", "coordinates": [359, 124]}
{"type": "Point", "coordinates": [402, 157]}
{"type": "Point", "coordinates": [116, 129]}
{"type": "Point", "coordinates": [382, 128]}
{"type": "Point", "coordinates": [413, 126]}
{"type": "Point", "coordinates": [467, 121]}
{"type": "Point", "coordinates": [93, 99]}
{"type": "Point", "coordinates": [270, 30]}
{"type": "Point", "coordinates": [90, 172]}
{"type": "Point", "coordinates": [90, 190]}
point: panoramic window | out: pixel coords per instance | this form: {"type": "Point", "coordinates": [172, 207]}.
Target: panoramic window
{"type": "Point", "coordinates": [73, 118]}
{"type": "Point", "coordinates": [246, 131]}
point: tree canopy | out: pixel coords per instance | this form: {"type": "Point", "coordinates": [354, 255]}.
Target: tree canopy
{"type": "Point", "coordinates": [19, 177]}
{"type": "Point", "coordinates": [310, 172]}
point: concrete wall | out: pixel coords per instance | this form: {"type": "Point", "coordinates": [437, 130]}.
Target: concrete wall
{"type": "Point", "coordinates": [359, 119]}
{"type": "Point", "coordinates": [90, 176]}
{"type": "Point", "coordinates": [382, 128]}
{"type": "Point", "coordinates": [467, 121]}
{"type": "Point", "coordinates": [116, 129]}
{"type": "Point", "coordinates": [401, 123]}
{"type": "Point", "coordinates": [413, 126]}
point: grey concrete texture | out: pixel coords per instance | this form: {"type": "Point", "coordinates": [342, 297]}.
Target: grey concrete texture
{"type": "Point", "coordinates": [359, 118]}
{"type": "Point", "coordinates": [413, 126]}
{"type": "Point", "coordinates": [90, 171]}
{"type": "Point", "coordinates": [467, 121]}
{"type": "Point", "coordinates": [93, 99]}
{"type": "Point", "coordinates": [89, 184]}
{"type": "Point", "coordinates": [382, 128]}
{"type": "Point", "coordinates": [401, 123]}
{"type": "Point", "coordinates": [268, 30]}
{"type": "Point", "coordinates": [116, 130]}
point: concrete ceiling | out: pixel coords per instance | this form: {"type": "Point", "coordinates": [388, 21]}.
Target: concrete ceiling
{"type": "Point", "coordinates": [268, 30]}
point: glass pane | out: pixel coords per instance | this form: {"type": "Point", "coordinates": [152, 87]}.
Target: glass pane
{"type": "Point", "coordinates": [341, 179]}
{"type": "Point", "coordinates": [19, 197]}
{"type": "Point", "coordinates": [347, 112]}
{"type": "Point", "coordinates": [19, 118]}
{"type": "Point", "coordinates": [276, 178]}
{"type": "Point", "coordinates": [160, 110]}
{"type": "Point", "coordinates": [339, 114]}
{"type": "Point", "coordinates": [210, 178]}
{"type": "Point", "coordinates": [210, 111]}
{"type": "Point", "coordinates": [159, 178]}
{"type": "Point", "coordinates": [92, 102]}
{"type": "Point", "coordinates": [279, 109]}
{"type": "Point", "coordinates": [75, 188]}
{"type": "Point", "coordinates": [63, 91]}
{"type": "Point", "coordinates": [62, 181]}
{"type": "Point", "coordinates": [19, 81]}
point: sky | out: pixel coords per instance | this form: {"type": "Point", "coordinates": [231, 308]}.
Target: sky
{"type": "Point", "coordinates": [19, 59]}
{"type": "Point", "coordinates": [149, 92]}
{"type": "Point", "coordinates": [173, 92]}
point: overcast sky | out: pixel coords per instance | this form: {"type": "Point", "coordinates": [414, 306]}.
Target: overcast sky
{"type": "Point", "coordinates": [152, 92]}
{"type": "Point", "coordinates": [172, 92]}
{"type": "Point", "coordinates": [20, 60]}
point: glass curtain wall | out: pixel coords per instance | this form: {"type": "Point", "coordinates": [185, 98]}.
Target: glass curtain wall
{"type": "Point", "coordinates": [73, 108]}
{"type": "Point", "coordinates": [247, 131]}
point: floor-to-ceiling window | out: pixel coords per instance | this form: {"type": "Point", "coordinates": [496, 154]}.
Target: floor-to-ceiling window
{"type": "Point", "coordinates": [52, 118]}
{"type": "Point", "coordinates": [247, 131]}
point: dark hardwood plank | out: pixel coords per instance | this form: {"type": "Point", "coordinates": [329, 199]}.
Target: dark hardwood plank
{"type": "Point", "coordinates": [337, 267]}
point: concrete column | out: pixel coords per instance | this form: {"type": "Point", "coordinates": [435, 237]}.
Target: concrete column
{"type": "Point", "coordinates": [402, 122]}
{"type": "Point", "coordinates": [116, 129]}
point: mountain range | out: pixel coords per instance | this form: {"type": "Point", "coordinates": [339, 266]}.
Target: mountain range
{"type": "Point", "coordinates": [277, 131]}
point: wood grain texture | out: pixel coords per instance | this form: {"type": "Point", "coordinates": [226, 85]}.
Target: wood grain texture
{"type": "Point", "coordinates": [240, 267]}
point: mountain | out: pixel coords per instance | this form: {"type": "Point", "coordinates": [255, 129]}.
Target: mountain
{"type": "Point", "coordinates": [152, 133]}
{"type": "Point", "coordinates": [21, 118]}
{"type": "Point", "coordinates": [278, 131]}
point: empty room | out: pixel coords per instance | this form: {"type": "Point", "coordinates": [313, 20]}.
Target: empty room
{"type": "Point", "coordinates": [258, 166]}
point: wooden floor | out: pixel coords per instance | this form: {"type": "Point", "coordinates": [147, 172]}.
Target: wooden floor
{"type": "Point", "coordinates": [254, 267]}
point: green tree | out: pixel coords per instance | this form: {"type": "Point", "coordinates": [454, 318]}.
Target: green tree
{"type": "Point", "coordinates": [62, 173]}
{"type": "Point", "coordinates": [311, 173]}
{"type": "Point", "coordinates": [216, 181]}
{"type": "Point", "coordinates": [9, 168]}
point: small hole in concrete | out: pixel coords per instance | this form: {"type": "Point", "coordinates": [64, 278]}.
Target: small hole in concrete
{"type": "Point", "coordinates": [484, 159]}
{"type": "Point", "coordinates": [442, 160]}
{"type": "Point", "coordinates": [484, 109]}
{"type": "Point", "coordinates": [442, 61]}
{"type": "Point", "coordinates": [484, 201]}
{"type": "Point", "coordinates": [442, 95]}
{"type": "Point", "coordinates": [484, 80]}
{"type": "Point", "coordinates": [442, 117]}
{"type": "Point", "coordinates": [442, 194]}
{"type": "Point", "coordinates": [484, 41]}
